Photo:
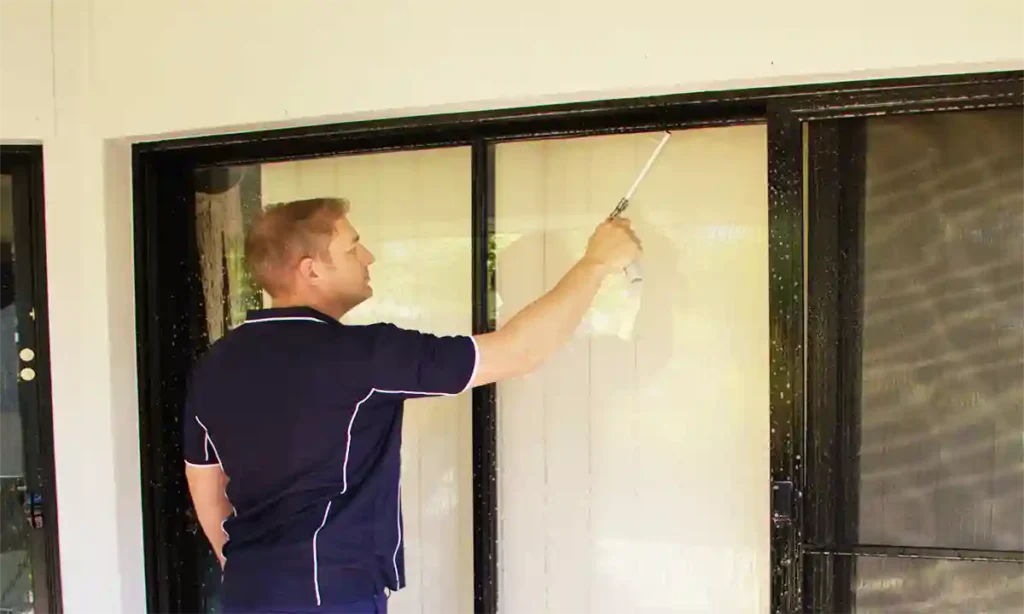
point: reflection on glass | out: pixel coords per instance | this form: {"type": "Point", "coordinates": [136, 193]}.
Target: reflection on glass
{"type": "Point", "coordinates": [632, 465]}
{"type": "Point", "coordinates": [15, 560]}
{"type": "Point", "coordinates": [412, 210]}
{"type": "Point", "coordinates": [900, 585]}
{"type": "Point", "coordinates": [227, 200]}
{"type": "Point", "coordinates": [942, 455]}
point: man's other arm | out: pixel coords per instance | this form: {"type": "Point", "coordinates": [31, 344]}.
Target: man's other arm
{"type": "Point", "coordinates": [207, 484]}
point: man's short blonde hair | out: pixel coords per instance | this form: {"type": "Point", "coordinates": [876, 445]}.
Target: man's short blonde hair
{"type": "Point", "coordinates": [286, 233]}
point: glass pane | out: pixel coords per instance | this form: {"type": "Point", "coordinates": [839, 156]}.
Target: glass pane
{"type": "Point", "coordinates": [412, 210]}
{"type": "Point", "coordinates": [15, 559]}
{"type": "Point", "coordinates": [902, 585]}
{"type": "Point", "coordinates": [942, 456]}
{"type": "Point", "coordinates": [632, 465]}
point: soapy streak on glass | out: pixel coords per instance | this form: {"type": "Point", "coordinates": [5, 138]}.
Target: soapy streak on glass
{"type": "Point", "coordinates": [606, 500]}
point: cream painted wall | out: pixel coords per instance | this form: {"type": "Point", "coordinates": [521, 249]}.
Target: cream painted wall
{"type": "Point", "coordinates": [86, 77]}
{"type": "Point", "coordinates": [211, 64]}
{"type": "Point", "coordinates": [26, 70]}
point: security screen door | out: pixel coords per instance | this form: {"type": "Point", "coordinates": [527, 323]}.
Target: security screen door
{"type": "Point", "coordinates": [914, 495]}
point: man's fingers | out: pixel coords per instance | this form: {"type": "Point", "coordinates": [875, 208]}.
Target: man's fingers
{"type": "Point", "coordinates": [632, 235]}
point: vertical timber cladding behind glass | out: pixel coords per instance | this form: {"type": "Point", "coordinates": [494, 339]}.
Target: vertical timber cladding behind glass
{"type": "Point", "coordinates": [633, 466]}
{"type": "Point", "coordinates": [413, 211]}
{"type": "Point", "coordinates": [227, 200]}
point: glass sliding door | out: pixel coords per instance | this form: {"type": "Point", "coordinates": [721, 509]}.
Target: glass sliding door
{"type": "Point", "coordinates": [807, 405]}
{"type": "Point", "coordinates": [412, 210]}
{"type": "Point", "coordinates": [633, 466]}
{"type": "Point", "coordinates": [29, 565]}
{"type": "Point", "coordinates": [15, 555]}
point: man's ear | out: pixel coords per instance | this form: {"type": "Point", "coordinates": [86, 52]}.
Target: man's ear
{"type": "Point", "coordinates": [306, 269]}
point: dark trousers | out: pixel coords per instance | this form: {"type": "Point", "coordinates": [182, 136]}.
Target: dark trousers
{"type": "Point", "coordinates": [373, 605]}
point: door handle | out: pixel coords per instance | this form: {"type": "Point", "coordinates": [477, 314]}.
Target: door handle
{"type": "Point", "coordinates": [782, 501]}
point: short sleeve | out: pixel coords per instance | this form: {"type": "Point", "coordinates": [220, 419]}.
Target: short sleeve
{"type": "Point", "coordinates": [415, 363]}
{"type": "Point", "coordinates": [197, 446]}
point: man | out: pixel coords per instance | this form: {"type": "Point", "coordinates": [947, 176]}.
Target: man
{"type": "Point", "coordinates": [293, 420]}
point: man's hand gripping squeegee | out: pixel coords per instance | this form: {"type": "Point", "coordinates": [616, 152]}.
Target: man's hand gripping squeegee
{"type": "Point", "coordinates": [633, 270]}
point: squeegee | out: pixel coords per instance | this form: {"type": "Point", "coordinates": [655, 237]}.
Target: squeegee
{"type": "Point", "coordinates": [632, 270]}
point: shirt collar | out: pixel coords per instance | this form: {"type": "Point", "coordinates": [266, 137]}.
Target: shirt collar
{"type": "Point", "coordinates": [286, 314]}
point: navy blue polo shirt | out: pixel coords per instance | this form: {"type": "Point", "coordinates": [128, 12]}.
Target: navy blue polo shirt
{"type": "Point", "coordinates": [304, 415]}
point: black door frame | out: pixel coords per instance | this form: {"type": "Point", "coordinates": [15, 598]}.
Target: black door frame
{"type": "Point", "coordinates": [25, 165]}
{"type": "Point", "coordinates": [169, 310]}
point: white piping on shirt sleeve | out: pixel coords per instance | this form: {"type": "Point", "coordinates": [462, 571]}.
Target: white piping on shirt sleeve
{"type": "Point", "coordinates": [476, 363]}
{"type": "Point", "coordinates": [207, 444]}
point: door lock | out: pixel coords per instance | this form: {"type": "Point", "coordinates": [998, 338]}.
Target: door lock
{"type": "Point", "coordinates": [782, 501]}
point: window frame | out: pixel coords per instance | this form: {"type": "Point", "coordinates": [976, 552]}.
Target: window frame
{"type": "Point", "coordinates": [169, 322]}
{"type": "Point", "coordinates": [25, 164]}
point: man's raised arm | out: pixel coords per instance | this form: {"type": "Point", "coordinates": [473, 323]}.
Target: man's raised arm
{"type": "Point", "coordinates": [536, 332]}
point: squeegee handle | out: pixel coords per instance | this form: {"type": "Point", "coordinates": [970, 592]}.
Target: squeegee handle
{"type": "Point", "coordinates": [632, 270]}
